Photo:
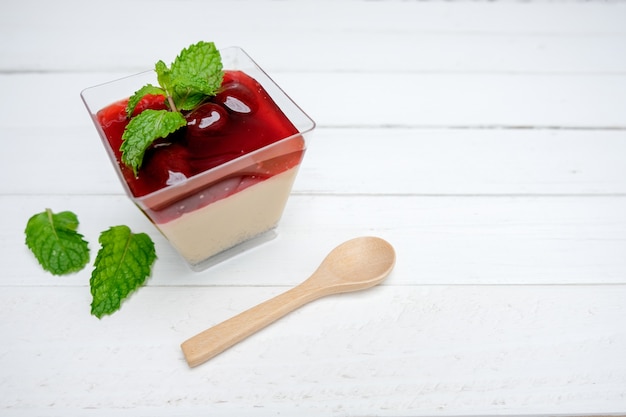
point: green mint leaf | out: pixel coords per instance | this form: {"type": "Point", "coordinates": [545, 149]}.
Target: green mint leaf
{"type": "Point", "coordinates": [186, 98]}
{"type": "Point", "coordinates": [122, 265]}
{"type": "Point", "coordinates": [139, 94]}
{"type": "Point", "coordinates": [56, 244]}
{"type": "Point", "coordinates": [196, 73]}
{"type": "Point", "coordinates": [164, 77]}
{"type": "Point", "coordinates": [144, 129]}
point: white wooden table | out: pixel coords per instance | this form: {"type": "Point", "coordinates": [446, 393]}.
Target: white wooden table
{"type": "Point", "coordinates": [486, 141]}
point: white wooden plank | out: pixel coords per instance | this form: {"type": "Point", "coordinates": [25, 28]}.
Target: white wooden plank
{"type": "Point", "coordinates": [451, 240]}
{"type": "Point", "coordinates": [466, 161]}
{"type": "Point", "coordinates": [395, 52]}
{"type": "Point", "coordinates": [401, 100]}
{"type": "Point", "coordinates": [361, 161]}
{"type": "Point", "coordinates": [390, 351]}
{"type": "Point", "coordinates": [56, 160]}
{"type": "Point", "coordinates": [460, 100]}
{"type": "Point", "coordinates": [314, 35]}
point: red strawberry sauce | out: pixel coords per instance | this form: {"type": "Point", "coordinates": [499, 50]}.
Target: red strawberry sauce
{"type": "Point", "coordinates": [240, 119]}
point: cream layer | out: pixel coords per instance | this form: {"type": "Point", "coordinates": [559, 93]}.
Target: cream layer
{"type": "Point", "coordinates": [227, 222]}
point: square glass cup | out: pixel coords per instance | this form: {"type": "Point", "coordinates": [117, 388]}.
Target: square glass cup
{"type": "Point", "coordinates": [200, 215]}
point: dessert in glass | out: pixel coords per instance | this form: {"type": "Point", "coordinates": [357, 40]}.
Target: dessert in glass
{"type": "Point", "coordinates": [218, 185]}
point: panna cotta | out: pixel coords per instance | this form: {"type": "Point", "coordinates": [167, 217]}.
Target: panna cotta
{"type": "Point", "coordinates": [220, 183]}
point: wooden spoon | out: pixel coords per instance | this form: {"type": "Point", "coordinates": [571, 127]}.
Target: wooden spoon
{"type": "Point", "coordinates": [354, 265]}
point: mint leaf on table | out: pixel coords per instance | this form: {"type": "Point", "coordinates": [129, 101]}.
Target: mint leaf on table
{"type": "Point", "coordinates": [143, 130]}
{"type": "Point", "coordinates": [122, 265]}
{"type": "Point", "coordinates": [53, 239]}
{"type": "Point", "coordinates": [139, 94]}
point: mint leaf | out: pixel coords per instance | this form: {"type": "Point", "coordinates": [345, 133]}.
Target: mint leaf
{"type": "Point", "coordinates": [56, 244]}
{"type": "Point", "coordinates": [144, 129]}
{"type": "Point", "coordinates": [139, 94]}
{"type": "Point", "coordinates": [164, 76]}
{"type": "Point", "coordinates": [195, 74]}
{"type": "Point", "coordinates": [122, 265]}
{"type": "Point", "coordinates": [186, 98]}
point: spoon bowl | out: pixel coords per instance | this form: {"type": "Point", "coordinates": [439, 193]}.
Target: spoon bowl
{"type": "Point", "coordinates": [354, 265]}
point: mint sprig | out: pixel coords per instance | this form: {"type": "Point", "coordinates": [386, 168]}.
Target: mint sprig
{"type": "Point", "coordinates": [55, 242]}
{"type": "Point", "coordinates": [193, 76]}
{"type": "Point", "coordinates": [122, 265]}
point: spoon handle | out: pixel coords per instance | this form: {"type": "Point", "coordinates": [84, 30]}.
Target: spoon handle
{"type": "Point", "coordinates": [211, 342]}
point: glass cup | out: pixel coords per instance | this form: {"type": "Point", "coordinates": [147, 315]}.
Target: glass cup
{"type": "Point", "coordinates": [229, 208]}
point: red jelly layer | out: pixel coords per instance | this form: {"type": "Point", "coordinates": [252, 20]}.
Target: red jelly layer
{"type": "Point", "coordinates": [240, 119]}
